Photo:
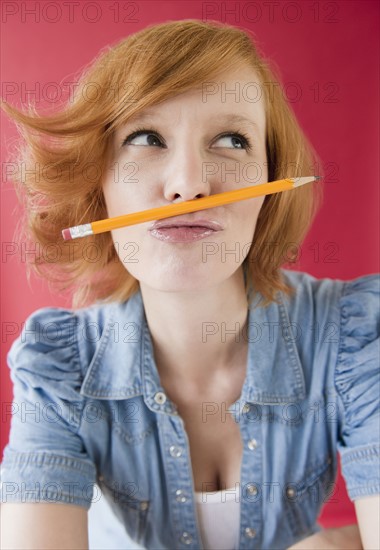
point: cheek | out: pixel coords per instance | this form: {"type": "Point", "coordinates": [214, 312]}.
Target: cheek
{"type": "Point", "coordinates": [117, 199]}
{"type": "Point", "coordinates": [108, 189]}
{"type": "Point", "coordinates": [249, 211]}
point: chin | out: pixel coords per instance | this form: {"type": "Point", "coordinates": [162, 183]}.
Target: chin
{"type": "Point", "coordinates": [180, 281]}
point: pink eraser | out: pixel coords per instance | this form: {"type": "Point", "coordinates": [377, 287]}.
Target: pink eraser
{"type": "Point", "coordinates": [66, 234]}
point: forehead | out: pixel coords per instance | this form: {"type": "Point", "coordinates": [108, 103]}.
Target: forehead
{"type": "Point", "coordinates": [241, 75]}
{"type": "Point", "coordinates": [236, 96]}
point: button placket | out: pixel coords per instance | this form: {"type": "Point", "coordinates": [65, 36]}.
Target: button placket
{"type": "Point", "coordinates": [176, 463]}
{"type": "Point", "coordinates": [252, 444]}
{"type": "Point", "coordinates": [174, 439]}
{"type": "Point", "coordinates": [250, 532]}
{"type": "Point", "coordinates": [246, 408]}
{"type": "Point", "coordinates": [290, 492]}
{"type": "Point", "coordinates": [180, 496]}
{"type": "Point", "coordinates": [252, 489]}
{"type": "Point", "coordinates": [175, 451]}
{"type": "Point", "coordinates": [251, 478]}
{"type": "Point", "coordinates": [186, 538]}
{"type": "Point", "coordinates": [162, 403]}
{"type": "Point", "coordinates": [160, 398]}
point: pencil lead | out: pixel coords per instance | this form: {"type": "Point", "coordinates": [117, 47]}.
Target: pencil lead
{"type": "Point", "coordinates": [318, 177]}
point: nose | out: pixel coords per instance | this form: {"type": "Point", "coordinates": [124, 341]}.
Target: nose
{"type": "Point", "coordinates": [185, 178]}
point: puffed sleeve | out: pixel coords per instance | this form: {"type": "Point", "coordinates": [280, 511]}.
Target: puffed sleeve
{"type": "Point", "coordinates": [357, 379]}
{"type": "Point", "coordinates": [45, 459]}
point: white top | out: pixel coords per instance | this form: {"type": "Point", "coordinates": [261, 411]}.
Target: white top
{"type": "Point", "coordinates": [219, 518]}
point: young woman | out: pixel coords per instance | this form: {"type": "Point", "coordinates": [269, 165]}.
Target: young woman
{"type": "Point", "coordinates": [204, 388]}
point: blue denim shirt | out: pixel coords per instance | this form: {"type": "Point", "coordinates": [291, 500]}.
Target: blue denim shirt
{"type": "Point", "coordinates": [89, 408]}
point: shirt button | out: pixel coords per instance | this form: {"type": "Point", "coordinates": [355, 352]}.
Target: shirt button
{"type": "Point", "coordinates": [100, 478]}
{"type": "Point", "coordinates": [144, 505]}
{"type": "Point", "coordinates": [186, 538]}
{"type": "Point", "coordinates": [160, 398]}
{"type": "Point", "coordinates": [290, 492]}
{"type": "Point", "coordinates": [246, 408]}
{"type": "Point", "coordinates": [252, 489]}
{"type": "Point", "coordinates": [175, 451]}
{"type": "Point", "coordinates": [180, 497]}
{"type": "Point", "coordinates": [250, 533]}
{"type": "Point", "coordinates": [252, 444]}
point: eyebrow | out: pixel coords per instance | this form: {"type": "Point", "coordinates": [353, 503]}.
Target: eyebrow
{"type": "Point", "coordinates": [240, 119]}
{"type": "Point", "coordinates": [228, 119]}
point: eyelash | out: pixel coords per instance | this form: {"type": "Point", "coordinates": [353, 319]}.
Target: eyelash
{"type": "Point", "coordinates": [246, 143]}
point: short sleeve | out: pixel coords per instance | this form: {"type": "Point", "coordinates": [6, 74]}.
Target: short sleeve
{"type": "Point", "coordinates": [357, 380]}
{"type": "Point", "coordinates": [45, 459]}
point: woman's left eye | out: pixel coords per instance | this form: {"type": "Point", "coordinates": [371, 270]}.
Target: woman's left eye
{"type": "Point", "coordinates": [242, 141]}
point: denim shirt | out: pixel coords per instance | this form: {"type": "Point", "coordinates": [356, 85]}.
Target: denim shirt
{"type": "Point", "coordinates": [89, 409]}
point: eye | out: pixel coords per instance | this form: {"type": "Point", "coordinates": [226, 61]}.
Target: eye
{"type": "Point", "coordinates": [138, 137]}
{"type": "Point", "coordinates": [150, 137]}
{"type": "Point", "coordinates": [240, 140]}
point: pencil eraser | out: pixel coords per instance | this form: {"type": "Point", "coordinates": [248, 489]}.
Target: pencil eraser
{"type": "Point", "coordinates": [66, 234]}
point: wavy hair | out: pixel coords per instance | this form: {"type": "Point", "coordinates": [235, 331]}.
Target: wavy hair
{"type": "Point", "coordinates": [63, 157]}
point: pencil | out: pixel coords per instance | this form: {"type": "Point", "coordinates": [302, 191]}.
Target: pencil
{"type": "Point", "coordinates": [185, 207]}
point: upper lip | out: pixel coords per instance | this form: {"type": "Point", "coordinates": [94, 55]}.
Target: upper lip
{"type": "Point", "coordinates": [183, 222]}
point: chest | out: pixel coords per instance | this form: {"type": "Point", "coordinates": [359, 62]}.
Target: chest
{"type": "Point", "coordinates": [215, 445]}
{"type": "Point", "coordinates": [214, 436]}
{"type": "Point", "coordinates": [284, 479]}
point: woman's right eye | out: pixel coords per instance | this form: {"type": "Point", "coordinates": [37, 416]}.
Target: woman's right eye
{"type": "Point", "coordinates": [143, 137]}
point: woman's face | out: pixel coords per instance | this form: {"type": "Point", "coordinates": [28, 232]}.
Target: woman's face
{"type": "Point", "coordinates": [191, 146]}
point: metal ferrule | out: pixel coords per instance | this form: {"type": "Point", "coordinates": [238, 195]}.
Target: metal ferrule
{"type": "Point", "coordinates": [81, 231]}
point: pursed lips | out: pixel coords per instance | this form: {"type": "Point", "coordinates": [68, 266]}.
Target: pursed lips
{"type": "Point", "coordinates": [200, 223]}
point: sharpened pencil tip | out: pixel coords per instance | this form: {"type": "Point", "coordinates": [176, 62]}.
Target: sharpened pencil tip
{"type": "Point", "coordinates": [318, 177]}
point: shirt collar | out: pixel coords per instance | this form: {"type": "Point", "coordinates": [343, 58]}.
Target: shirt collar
{"type": "Point", "coordinates": [123, 364]}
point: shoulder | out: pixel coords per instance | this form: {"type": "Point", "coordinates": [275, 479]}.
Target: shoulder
{"type": "Point", "coordinates": [44, 331]}
{"type": "Point", "coordinates": [73, 346]}
{"type": "Point", "coordinates": [336, 297]}
{"type": "Point", "coordinates": [336, 323]}
{"type": "Point", "coordinates": [357, 382]}
{"type": "Point", "coordinates": [351, 307]}
{"type": "Point", "coordinates": [55, 342]}
{"type": "Point", "coordinates": [357, 368]}
{"type": "Point", "coordinates": [303, 281]}
{"type": "Point", "coordinates": [47, 409]}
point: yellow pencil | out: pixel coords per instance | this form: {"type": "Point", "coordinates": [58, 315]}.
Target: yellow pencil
{"type": "Point", "coordinates": [185, 207]}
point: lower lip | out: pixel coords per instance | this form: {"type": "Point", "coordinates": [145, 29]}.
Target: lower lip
{"type": "Point", "coordinates": [181, 234]}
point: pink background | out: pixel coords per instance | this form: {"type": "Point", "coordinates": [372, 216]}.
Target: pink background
{"type": "Point", "coordinates": [327, 53]}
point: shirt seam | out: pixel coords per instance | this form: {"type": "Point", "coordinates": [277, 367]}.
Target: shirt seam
{"type": "Point", "coordinates": [88, 376]}
{"type": "Point", "coordinates": [78, 422]}
{"type": "Point", "coordinates": [339, 357]}
{"type": "Point", "coordinates": [47, 459]}
{"type": "Point", "coordinates": [52, 498]}
{"type": "Point", "coordinates": [364, 490]}
{"type": "Point", "coordinates": [357, 455]}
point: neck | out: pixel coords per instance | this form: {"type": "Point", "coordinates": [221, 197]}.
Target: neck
{"type": "Point", "coordinates": [199, 333]}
